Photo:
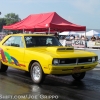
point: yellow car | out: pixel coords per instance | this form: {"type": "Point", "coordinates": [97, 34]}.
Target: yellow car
{"type": "Point", "coordinates": [42, 55]}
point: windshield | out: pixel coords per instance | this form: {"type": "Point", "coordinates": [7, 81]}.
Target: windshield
{"type": "Point", "coordinates": [34, 41]}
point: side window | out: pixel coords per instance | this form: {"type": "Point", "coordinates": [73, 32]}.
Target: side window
{"type": "Point", "coordinates": [18, 41]}
{"type": "Point", "coordinates": [15, 41]}
{"type": "Point", "coordinates": [9, 41]}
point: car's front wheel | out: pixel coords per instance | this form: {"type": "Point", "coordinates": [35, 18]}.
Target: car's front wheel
{"type": "Point", "coordinates": [37, 73]}
{"type": "Point", "coordinates": [78, 76]}
{"type": "Point", "coordinates": [3, 67]}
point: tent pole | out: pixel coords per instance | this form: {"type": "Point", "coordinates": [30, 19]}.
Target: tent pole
{"type": "Point", "coordinates": [49, 30]}
{"type": "Point", "coordinates": [85, 39]}
{"type": "Point", "coordinates": [23, 30]}
{"type": "Point", "coordinates": [69, 32]}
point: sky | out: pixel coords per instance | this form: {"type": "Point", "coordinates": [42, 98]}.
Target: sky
{"type": "Point", "coordinates": [81, 12]}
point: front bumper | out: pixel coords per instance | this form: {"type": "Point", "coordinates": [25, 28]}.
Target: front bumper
{"type": "Point", "coordinates": [69, 69]}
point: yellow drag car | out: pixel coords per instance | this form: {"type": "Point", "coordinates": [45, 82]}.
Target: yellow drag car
{"type": "Point", "coordinates": [42, 55]}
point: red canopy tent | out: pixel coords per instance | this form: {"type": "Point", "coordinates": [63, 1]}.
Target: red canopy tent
{"type": "Point", "coordinates": [45, 22]}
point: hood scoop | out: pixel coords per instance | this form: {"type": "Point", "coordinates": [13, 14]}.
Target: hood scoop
{"type": "Point", "coordinates": [60, 49]}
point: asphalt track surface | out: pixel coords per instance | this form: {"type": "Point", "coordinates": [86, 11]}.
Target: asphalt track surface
{"type": "Point", "coordinates": [17, 85]}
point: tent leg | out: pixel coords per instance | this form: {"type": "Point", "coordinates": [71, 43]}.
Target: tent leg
{"type": "Point", "coordinates": [49, 30]}
{"type": "Point", "coordinates": [23, 30]}
{"type": "Point", "coordinates": [85, 41]}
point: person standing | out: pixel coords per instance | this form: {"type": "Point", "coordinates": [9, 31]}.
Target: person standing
{"type": "Point", "coordinates": [56, 35]}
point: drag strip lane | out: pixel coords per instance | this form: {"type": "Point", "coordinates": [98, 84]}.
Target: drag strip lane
{"type": "Point", "coordinates": [17, 82]}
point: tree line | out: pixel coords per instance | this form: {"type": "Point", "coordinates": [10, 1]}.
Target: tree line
{"type": "Point", "coordinates": [9, 19]}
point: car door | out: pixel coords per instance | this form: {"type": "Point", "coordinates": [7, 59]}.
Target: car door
{"type": "Point", "coordinates": [14, 51]}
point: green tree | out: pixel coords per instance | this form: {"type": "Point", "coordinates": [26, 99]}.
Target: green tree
{"type": "Point", "coordinates": [11, 18]}
{"type": "Point", "coordinates": [2, 22]}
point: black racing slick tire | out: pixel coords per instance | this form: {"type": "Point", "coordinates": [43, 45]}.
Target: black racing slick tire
{"type": "Point", "coordinates": [3, 68]}
{"type": "Point", "coordinates": [78, 76]}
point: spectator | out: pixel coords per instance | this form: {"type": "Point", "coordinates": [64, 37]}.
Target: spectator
{"type": "Point", "coordinates": [93, 38]}
{"type": "Point", "coordinates": [82, 37]}
{"type": "Point", "coordinates": [64, 41]}
{"type": "Point", "coordinates": [98, 38]}
{"type": "Point", "coordinates": [67, 37]}
{"type": "Point", "coordinates": [77, 38]}
{"type": "Point", "coordinates": [56, 35]}
{"type": "Point", "coordinates": [71, 37]}
{"type": "Point", "coordinates": [46, 33]}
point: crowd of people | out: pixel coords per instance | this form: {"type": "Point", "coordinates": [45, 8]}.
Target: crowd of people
{"type": "Point", "coordinates": [2, 36]}
{"type": "Point", "coordinates": [77, 37]}
{"type": "Point", "coordinates": [74, 37]}
{"type": "Point", "coordinates": [95, 38]}
{"type": "Point", "coordinates": [68, 37]}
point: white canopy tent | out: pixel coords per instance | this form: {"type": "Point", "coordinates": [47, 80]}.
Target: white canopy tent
{"type": "Point", "coordinates": [64, 33]}
{"type": "Point", "coordinates": [90, 33]}
{"type": "Point", "coordinates": [68, 33]}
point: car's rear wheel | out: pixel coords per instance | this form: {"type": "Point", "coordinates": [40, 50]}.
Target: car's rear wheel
{"type": "Point", "coordinates": [78, 76]}
{"type": "Point", "coordinates": [3, 68]}
{"type": "Point", "coordinates": [37, 73]}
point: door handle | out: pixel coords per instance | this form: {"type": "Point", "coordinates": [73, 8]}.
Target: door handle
{"type": "Point", "coordinates": [7, 48]}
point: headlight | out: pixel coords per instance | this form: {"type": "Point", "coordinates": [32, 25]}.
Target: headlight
{"type": "Point", "coordinates": [56, 61]}
{"type": "Point", "coordinates": [93, 59]}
